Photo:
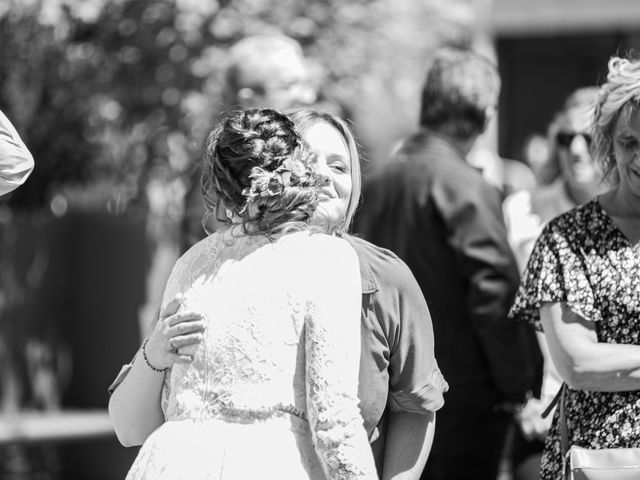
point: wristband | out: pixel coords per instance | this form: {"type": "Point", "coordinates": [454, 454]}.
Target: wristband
{"type": "Point", "coordinates": [144, 354]}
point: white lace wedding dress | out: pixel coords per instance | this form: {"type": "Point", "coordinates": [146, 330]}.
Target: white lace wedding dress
{"type": "Point", "coordinates": [272, 390]}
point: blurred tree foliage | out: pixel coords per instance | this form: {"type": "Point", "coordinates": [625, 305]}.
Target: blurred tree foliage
{"type": "Point", "coordinates": [117, 94]}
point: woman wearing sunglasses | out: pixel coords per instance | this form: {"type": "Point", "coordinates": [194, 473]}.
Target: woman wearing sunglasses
{"type": "Point", "coordinates": [577, 175]}
{"type": "Point", "coordinates": [578, 180]}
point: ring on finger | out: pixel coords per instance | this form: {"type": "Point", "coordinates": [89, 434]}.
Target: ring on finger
{"type": "Point", "coordinates": [173, 347]}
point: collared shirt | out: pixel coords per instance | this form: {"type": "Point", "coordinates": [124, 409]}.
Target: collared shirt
{"type": "Point", "coordinates": [16, 162]}
{"type": "Point", "coordinates": [398, 369]}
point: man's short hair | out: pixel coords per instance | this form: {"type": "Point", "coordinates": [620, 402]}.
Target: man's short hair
{"type": "Point", "coordinates": [460, 88]}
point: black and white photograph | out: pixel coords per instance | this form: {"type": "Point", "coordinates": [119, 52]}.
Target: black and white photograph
{"type": "Point", "coordinates": [319, 240]}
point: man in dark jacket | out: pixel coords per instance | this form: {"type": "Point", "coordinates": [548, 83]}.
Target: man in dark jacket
{"type": "Point", "coordinates": [438, 214]}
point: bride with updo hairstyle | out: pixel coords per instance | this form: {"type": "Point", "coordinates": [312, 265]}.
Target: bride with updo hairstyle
{"type": "Point", "coordinates": [257, 375]}
{"type": "Point", "coordinates": [259, 169]}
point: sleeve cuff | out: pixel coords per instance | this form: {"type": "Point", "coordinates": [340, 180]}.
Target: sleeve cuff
{"type": "Point", "coordinates": [429, 398]}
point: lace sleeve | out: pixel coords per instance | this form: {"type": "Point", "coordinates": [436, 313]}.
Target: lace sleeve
{"type": "Point", "coordinates": [332, 347]}
{"type": "Point", "coordinates": [199, 260]}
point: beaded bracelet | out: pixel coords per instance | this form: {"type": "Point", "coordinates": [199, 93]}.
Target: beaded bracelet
{"type": "Point", "coordinates": [144, 354]}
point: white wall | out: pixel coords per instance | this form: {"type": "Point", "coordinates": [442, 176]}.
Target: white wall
{"type": "Point", "coordinates": [527, 17]}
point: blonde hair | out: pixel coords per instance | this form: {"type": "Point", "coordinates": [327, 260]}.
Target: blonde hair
{"type": "Point", "coordinates": [304, 120]}
{"type": "Point", "coordinates": [622, 88]}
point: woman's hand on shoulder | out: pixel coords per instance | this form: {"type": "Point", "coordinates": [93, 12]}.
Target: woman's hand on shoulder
{"type": "Point", "coordinates": [174, 336]}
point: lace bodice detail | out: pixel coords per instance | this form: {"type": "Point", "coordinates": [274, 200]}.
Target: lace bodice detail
{"type": "Point", "coordinates": [282, 337]}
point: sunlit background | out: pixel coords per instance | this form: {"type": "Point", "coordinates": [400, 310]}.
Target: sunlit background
{"type": "Point", "coordinates": [114, 98]}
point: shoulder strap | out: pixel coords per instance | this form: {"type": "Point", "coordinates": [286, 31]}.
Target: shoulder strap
{"type": "Point", "coordinates": [560, 399]}
{"type": "Point", "coordinates": [564, 437]}
{"type": "Point", "coordinates": [553, 403]}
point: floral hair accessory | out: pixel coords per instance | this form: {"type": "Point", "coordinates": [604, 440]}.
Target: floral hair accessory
{"type": "Point", "coordinates": [295, 171]}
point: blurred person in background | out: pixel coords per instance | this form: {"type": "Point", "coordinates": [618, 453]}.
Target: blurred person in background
{"type": "Point", "coordinates": [579, 178]}
{"type": "Point", "coordinates": [268, 71]}
{"type": "Point", "coordinates": [263, 71]}
{"type": "Point", "coordinates": [506, 174]}
{"type": "Point", "coordinates": [16, 162]}
{"type": "Point", "coordinates": [262, 383]}
{"type": "Point", "coordinates": [536, 154]}
{"type": "Point", "coordinates": [582, 278]}
{"type": "Point", "coordinates": [526, 213]}
{"type": "Point", "coordinates": [445, 221]}
{"type": "Point", "coordinates": [400, 385]}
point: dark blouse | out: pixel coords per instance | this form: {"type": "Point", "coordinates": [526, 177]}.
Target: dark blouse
{"type": "Point", "coordinates": [398, 370]}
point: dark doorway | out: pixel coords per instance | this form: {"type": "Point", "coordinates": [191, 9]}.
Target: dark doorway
{"type": "Point", "coordinates": [539, 72]}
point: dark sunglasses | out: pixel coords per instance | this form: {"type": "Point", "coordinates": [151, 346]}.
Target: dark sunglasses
{"type": "Point", "coordinates": [564, 139]}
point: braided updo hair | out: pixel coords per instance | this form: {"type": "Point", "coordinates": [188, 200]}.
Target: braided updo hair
{"type": "Point", "coordinates": [258, 166]}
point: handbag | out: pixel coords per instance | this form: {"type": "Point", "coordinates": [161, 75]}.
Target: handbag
{"type": "Point", "coordinates": [595, 464]}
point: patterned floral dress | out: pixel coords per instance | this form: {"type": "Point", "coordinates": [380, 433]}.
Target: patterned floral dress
{"type": "Point", "coordinates": [583, 260]}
